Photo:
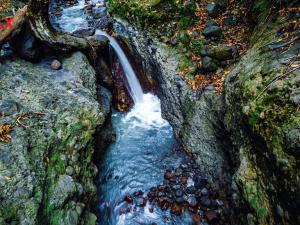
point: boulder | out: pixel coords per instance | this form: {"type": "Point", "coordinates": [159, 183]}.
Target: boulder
{"type": "Point", "coordinates": [99, 12]}
{"type": "Point", "coordinates": [292, 142]}
{"type": "Point", "coordinates": [49, 165]}
{"type": "Point", "coordinates": [103, 23]}
{"type": "Point", "coordinates": [84, 32]}
{"type": "Point", "coordinates": [26, 45]}
{"type": "Point", "coordinates": [212, 29]}
{"type": "Point", "coordinates": [209, 64]}
{"type": "Point", "coordinates": [213, 9]}
{"type": "Point", "coordinates": [224, 52]}
{"type": "Point", "coordinates": [64, 189]}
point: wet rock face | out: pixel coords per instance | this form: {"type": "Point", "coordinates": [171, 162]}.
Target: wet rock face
{"type": "Point", "coordinates": [26, 45]}
{"type": "Point", "coordinates": [46, 172]}
{"type": "Point", "coordinates": [264, 123]}
{"type": "Point", "coordinates": [205, 204]}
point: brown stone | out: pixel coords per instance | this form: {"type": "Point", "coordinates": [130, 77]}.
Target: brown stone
{"type": "Point", "coordinates": [183, 180]}
{"type": "Point", "coordinates": [128, 199]}
{"type": "Point", "coordinates": [176, 209]}
{"type": "Point", "coordinates": [211, 216]}
{"type": "Point", "coordinates": [168, 175]}
{"type": "Point", "coordinates": [151, 209]}
{"type": "Point", "coordinates": [55, 65]}
{"type": "Point", "coordinates": [196, 218]}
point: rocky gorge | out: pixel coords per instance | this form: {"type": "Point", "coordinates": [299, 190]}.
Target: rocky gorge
{"type": "Point", "coordinates": [237, 122]}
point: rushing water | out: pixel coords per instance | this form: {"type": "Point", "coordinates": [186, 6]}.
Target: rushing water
{"type": "Point", "coordinates": [73, 18]}
{"type": "Point", "coordinates": [135, 89]}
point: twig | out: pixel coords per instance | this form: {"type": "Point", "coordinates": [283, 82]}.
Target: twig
{"type": "Point", "coordinates": [18, 120]}
{"type": "Point", "coordinates": [276, 78]}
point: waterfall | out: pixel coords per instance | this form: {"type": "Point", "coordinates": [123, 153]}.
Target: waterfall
{"type": "Point", "coordinates": [135, 88]}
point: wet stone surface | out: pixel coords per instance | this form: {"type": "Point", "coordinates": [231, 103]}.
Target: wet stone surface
{"type": "Point", "coordinates": [183, 190]}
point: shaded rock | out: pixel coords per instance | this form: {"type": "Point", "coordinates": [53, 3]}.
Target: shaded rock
{"type": "Point", "coordinates": [191, 190]}
{"type": "Point", "coordinates": [99, 12]}
{"type": "Point", "coordinates": [204, 192]}
{"type": "Point", "coordinates": [176, 209]}
{"type": "Point", "coordinates": [183, 180]}
{"type": "Point", "coordinates": [180, 200]}
{"type": "Point", "coordinates": [209, 64]}
{"type": "Point", "coordinates": [192, 201]}
{"type": "Point", "coordinates": [26, 45]}
{"type": "Point", "coordinates": [128, 199]}
{"type": "Point", "coordinates": [64, 189]}
{"type": "Point", "coordinates": [224, 52]}
{"type": "Point", "coordinates": [205, 201]}
{"type": "Point", "coordinates": [211, 216]}
{"type": "Point", "coordinates": [292, 142]}
{"type": "Point", "coordinates": [213, 9]}
{"type": "Point", "coordinates": [231, 21]}
{"type": "Point", "coordinates": [103, 23]}
{"type": "Point", "coordinates": [84, 32]}
{"type": "Point", "coordinates": [212, 31]}
{"type": "Point", "coordinates": [179, 193]}
{"type": "Point", "coordinates": [197, 219]}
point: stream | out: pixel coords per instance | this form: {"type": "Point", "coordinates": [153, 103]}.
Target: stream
{"type": "Point", "coordinates": [145, 167]}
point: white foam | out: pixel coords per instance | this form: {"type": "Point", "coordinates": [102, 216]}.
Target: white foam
{"type": "Point", "coordinates": [146, 113]}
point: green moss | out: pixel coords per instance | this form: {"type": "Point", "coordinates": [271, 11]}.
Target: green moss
{"type": "Point", "coordinates": [259, 100]}
{"type": "Point", "coordinates": [57, 163]}
{"type": "Point", "coordinates": [197, 45]}
{"type": "Point", "coordinates": [256, 199]}
{"type": "Point", "coordinates": [12, 4]}
{"type": "Point", "coordinates": [10, 213]}
{"type": "Point", "coordinates": [146, 13]}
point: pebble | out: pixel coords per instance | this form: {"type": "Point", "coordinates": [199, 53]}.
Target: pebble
{"type": "Point", "coordinates": [138, 193]}
{"type": "Point", "coordinates": [191, 190]}
{"type": "Point", "coordinates": [55, 65]}
{"type": "Point", "coordinates": [176, 209]}
{"type": "Point", "coordinates": [183, 180]}
{"type": "Point", "coordinates": [194, 196]}
{"type": "Point", "coordinates": [128, 199]}
{"type": "Point", "coordinates": [179, 193]}
{"type": "Point", "coordinates": [211, 216]}
{"type": "Point", "coordinates": [141, 202]}
{"type": "Point", "coordinates": [192, 201]}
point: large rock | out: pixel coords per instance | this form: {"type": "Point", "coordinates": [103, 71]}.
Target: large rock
{"type": "Point", "coordinates": [264, 122]}
{"type": "Point", "coordinates": [209, 64]}
{"type": "Point", "coordinates": [84, 32]}
{"type": "Point", "coordinates": [26, 45]}
{"type": "Point", "coordinates": [212, 29]}
{"type": "Point", "coordinates": [47, 171]}
{"type": "Point", "coordinates": [213, 9]}
{"type": "Point", "coordinates": [103, 23]}
{"type": "Point", "coordinates": [99, 12]}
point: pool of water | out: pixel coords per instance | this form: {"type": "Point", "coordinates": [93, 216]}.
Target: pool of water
{"type": "Point", "coordinates": [145, 147]}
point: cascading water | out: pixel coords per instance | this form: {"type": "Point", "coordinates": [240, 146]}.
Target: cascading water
{"type": "Point", "coordinates": [73, 18]}
{"type": "Point", "coordinates": [135, 88]}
